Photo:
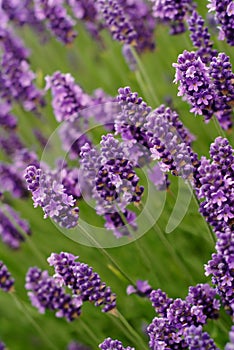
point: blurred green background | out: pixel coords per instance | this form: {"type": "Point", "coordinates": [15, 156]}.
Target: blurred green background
{"type": "Point", "coordinates": [171, 262]}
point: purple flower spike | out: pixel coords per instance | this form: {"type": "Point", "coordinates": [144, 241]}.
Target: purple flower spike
{"type": "Point", "coordinates": [45, 293]}
{"type": "Point", "coordinates": [117, 21]}
{"type": "Point", "coordinates": [196, 339]}
{"type": "Point", "coordinates": [50, 195]}
{"type": "Point", "coordinates": [11, 226]}
{"type": "Point", "coordinates": [58, 21]}
{"type": "Point", "coordinates": [142, 288]}
{"type": "Point", "coordinates": [11, 181]}
{"type": "Point", "coordinates": [224, 14]}
{"type": "Point", "coordinates": [203, 295]}
{"type": "Point", "coordinates": [173, 13]}
{"type": "Point", "coordinates": [201, 38]}
{"type": "Point", "coordinates": [7, 120]}
{"type": "Point", "coordinates": [68, 97]}
{"type": "Point", "coordinates": [82, 280]}
{"type": "Point", "coordinates": [230, 345]}
{"type": "Point", "coordinates": [160, 302]}
{"type": "Point", "coordinates": [6, 281]}
{"type": "Point", "coordinates": [110, 344]}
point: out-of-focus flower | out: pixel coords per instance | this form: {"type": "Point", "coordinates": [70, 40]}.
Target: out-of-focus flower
{"type": "Point", "coordinates": [6, 281]}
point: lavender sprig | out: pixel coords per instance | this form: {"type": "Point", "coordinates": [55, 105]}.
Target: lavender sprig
{"type": "Point", "coordinates": [110, 344]}
{"type": "Point", "coordinates": [6, 281]}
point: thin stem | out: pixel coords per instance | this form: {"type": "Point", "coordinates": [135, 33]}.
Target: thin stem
{"type": "Point", "coordinates": [218, 127]}
{"type": "Point", "coordinates": [89, 332]}
{"type": "Point", "coordinates": [23, 308]}
{"type": "Point", "coordinates": [145, 75]}
{"type": "Point", "coordinates": [104, 252]}
{"type": "Point", "coordinates": [170, 248]}
{"type": "Point", "coordinates": [130, 331]}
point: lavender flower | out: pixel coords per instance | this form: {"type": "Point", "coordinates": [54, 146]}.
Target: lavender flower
{"type": "Point", "coordinates": [81, 279]}
{"type": "Point", "coordinates": [220, 267]}
{"type": "Point", "coordinates": [68, 97]}
{"type": "Point", "coordinates": [222, 78]}
{"type": "Point", "coordinates": [11, 227]}
{"type": "Point", "coordinates": [142, 288]}
{"type": "Point", "coordinates": [110, 344]}
{"type": "Point", "coordinates": [160, 302]}
{"type": "Point", "coordinates": [6, 281]}
{"type": "Point", "coordinates": [216, 178]}
{"type": "Point", "coordinates": [129, 22]}
{"type": "Point", "coordinates": [2, 346]}
{"type": "Point", "coordinates": [201, 38]}
{"type": "Point", "coordinates": [45, 293]}
{"type": "Point", "coordinates": [58, 21]}
{"type": "Point", "coordinates": [7, 120]}
{"type": "Point", "coordinates": [203, 295]}
{"type": "Point", "coordinates": [195, 84]}
{"type": "Point", "coordinates": [49, 193]}
{"type": "Point", "coordinates": [11, 181]}
{"type": "Point", "coordinates": [16, 78]}
{"type": "Point", "coordinates": [229, 346]}
{"type": "Point", "coordinates": [224, 14]}
{"type": "Point", "coordinates": [158, 178]}
{"type": "Point", "coordinates": [196, 339]}
{"type": "Point", "coordinates": [173, 13]}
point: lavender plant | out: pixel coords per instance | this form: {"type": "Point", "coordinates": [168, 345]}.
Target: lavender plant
{"type": "Point", "coordinates": [110, 169]}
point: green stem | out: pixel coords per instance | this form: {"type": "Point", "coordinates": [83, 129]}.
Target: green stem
{"type": "Point", "coordinates": [104, 252]}
{"type": "Point", "coordinates": [145, 76]}
{"type": "Point", "coordinates": [23, 308]}
{"type": "Point", "coordinates": [218, 127]}
{"type": "Point", "coordinates": [130, 331]}
{"type": "Point", "coordinates": [89, 332]}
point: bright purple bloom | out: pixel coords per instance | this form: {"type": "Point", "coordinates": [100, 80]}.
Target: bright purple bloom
{"type": "Point", "coordinates": [216, 189]}
{"type": "Point", "coordinates": [11, 227]}
{"type": "Point", "coordinates": [82, 280]}
{"type": "Point", "coordinates": [45, 293]}
{"type": "Point", "coordinates": [110, 344]}
{"type": "Point", "coordinates": [6, 281]}
{"type": "Point", "coordinates": [230, 345]}
{"type": "Point", "coordinates": [142, 288]}
{"type": "Point", "coordinates": [68, 98]}
{"type": "Point", "coordinates": [129, 22]}
{"type": "Point", "coordinates": [166, 144]}
{"type": "Point", "coordinates": [160, 302]}
{"type": "Point", "coordinates": [173, 13]}
{"type": "Point", "coordinates": [57, 19]}
{"type": "Point", "coordinates": [158, 178]}
{"type": "Point", "coordinates": [49, 193]}
{"type": "Point", "coordinates": [220, 267]}
{"type": "Point", "coordinates": [222, 78]}
{"type": "Point", "coordinates": [11, 181]}
{"type": "Point", "coordinates": [224, 14]}
{"type": "Point", "coordinates": [200, 37]}
{"type": "Point", "coordinates": [204, 295]}
{"type": "Point", "coordinates": [16, 77]}
{"type": "Point", "coordinates": [196, 339]}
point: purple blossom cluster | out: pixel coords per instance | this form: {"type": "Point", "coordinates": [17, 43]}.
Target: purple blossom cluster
{"type": "Point", "coordinates": [7, 120]}
{"type": "Point", "coordinates": [173, 13]}
{"type": "Point", "coordinates": [216, 190]}
{"type": "Point", "coordinates": [200, 37]}
{"type": "Point", "coordinates": [110, 344]}
{"type": "Point", "coordinates": [6, 281]}
{"type": "Point", "coordinates": [82, 280]}
{"type": "Point", "coordinates": [12, 226]}
{"type": "Point", "coordinates": [142, 288]}
{"type": "Point", "coordinates": [204, 87]}
{"type": "Point", "coordinates": [50, 194]}
{"type": "Point", "coordinates": [2, 346]}
{"type": "Point", "coordinates": [180, 323]}
{"type": "Point", "coordinates": [16, 77]}
{"type": "Point", "coordinates": [57, 19]}
{"type": "Point", "coordinates": [113, 181]}
{"type": "Point", "coordinates": [68, 97]}
{"type": "Point", "coordinates": [129, 22]}
{"type": "Point", "coordinates": [224, 15]}
{"type": "Point", "coordinates": [45, 293]}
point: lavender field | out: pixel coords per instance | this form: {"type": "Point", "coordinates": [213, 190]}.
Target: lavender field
{"type": "Point", "coordinates": [116, 174]}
